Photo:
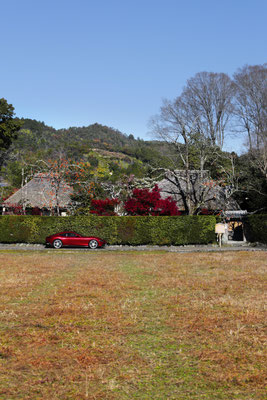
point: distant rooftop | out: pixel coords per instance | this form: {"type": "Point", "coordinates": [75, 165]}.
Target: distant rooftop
{"type": "Point", "coordinates": [40, 192]}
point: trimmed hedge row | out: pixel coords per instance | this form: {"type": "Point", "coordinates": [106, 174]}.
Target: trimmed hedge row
{"type": "Point", "coordinates": [256, 228]}
{"type": "Point", "coordinates": [115, 230]}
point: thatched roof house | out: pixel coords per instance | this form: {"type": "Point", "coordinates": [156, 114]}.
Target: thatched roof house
{"type": "Point", "coordinates": [204, 192]}
{"type": "Point", "coordinates": [45, 192]}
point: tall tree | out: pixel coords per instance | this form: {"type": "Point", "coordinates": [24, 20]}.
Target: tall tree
{"type": "Point", "coordinates": [194, 124]}
{"type": "Point", "coordinates": [251, 110]}
{"type": "Point", "coordinates": [208, 99]}
{"type": "Point", "coordinates": [9, 127]}
{"type": "Point", "coordinates": [251, 101]}
{"type": "Point", "coordinates": [173, 127]}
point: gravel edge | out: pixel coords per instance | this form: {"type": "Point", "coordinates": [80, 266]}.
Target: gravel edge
{"type": "Point", "coordinates": [175, 249]}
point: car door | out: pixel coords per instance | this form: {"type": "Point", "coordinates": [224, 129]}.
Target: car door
{"type": "Point", "coordinates": [71, 239]}
{"type": "Point", "coordinates": [78, 240]}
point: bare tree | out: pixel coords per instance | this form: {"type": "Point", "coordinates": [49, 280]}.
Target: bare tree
{"type": "Point", "coordinates": [251, 111]}
{"type": "Point", "coordinates": [202, 191]}
{"type": "Point", "coordinates": [259, 154]}
{"type": "Point", "coordinates": [172, 126]}
{"type": "Point", "coordinates": [251, 102]}
{"type": "Point", "coordinates": [208, 99]}
{"type": "Point", "coordinates": [192, 187]}
{"type": "Point", "coordinates": [196, 122]}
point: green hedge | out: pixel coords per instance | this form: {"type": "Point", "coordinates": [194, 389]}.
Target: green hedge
{"type": "Point", "coordinates": [115, 230]}
{"type": "Point", "coordinates": [256, 228]}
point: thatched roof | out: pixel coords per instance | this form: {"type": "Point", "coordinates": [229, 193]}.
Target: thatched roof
{"type": "Point", "coordinates": [202, 190]}
{"type": "Point", "coordinates": [42, 191]}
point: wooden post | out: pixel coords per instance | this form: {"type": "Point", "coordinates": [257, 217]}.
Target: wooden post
{"type": "Point", "coordinates": [220, 239]}
{"type": "Point", "coordinates": [220, 230]}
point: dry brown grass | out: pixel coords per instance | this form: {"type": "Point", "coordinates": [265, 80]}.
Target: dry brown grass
{"type": "Point", "coordinates": [77, 325]}
{"type": "Point", "coordinates": [218, 307]}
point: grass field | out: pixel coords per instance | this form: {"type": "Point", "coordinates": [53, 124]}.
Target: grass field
{"type": "Point", "coordinates": [83, 325]}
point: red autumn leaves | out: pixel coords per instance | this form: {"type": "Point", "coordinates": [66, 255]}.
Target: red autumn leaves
{"type": "Point", "coordinates": [142, 202]}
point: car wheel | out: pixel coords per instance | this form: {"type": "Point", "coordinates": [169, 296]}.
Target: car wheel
{"type": "Point", "coordinates": [57, 244]}
{"type": "Point", "coordinates": [93, 244]}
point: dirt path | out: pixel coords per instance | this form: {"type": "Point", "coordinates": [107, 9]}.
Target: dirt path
{"type": "Point", "coordinates": [174, 249]}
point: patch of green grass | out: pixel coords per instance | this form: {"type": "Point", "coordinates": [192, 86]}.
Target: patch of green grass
{"type": "Point", "coordinates": [171, 372]}
{"type": "Point", "coordinates": [132, 326]}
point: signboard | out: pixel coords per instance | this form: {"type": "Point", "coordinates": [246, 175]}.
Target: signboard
{"type": "Point", "coordinates": [220, 228]}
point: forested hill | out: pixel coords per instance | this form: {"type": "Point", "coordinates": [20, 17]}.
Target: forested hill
{"type": "Point", "coordinates": [90, 133]}
{"type": "Point", "coordinates": [77, 141]}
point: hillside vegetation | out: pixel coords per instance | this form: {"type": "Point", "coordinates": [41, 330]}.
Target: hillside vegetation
{"type": "Point", "coordinates": [113, 156]}
{"type": "Point", "coordinates": [76, 142]}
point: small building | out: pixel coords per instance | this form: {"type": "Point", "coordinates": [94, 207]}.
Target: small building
{"type": "Point", "coordinates": [43, 194]}
{"type": "Point", "coordinates": [235, 224]}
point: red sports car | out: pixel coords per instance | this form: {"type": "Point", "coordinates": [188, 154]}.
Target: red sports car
{"type": "Point", "coordinates": [69, 238]}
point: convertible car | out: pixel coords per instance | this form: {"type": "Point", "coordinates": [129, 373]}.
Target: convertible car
{"type": "Point", "coordinates": [74, 239]}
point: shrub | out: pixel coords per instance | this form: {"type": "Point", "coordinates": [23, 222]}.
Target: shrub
{"type": "Point", "coordinates": [144, 202]}
{"type": "Point", "coordinates": [103, 207]}
{"type": "Point", "coordinates": [156, 230]}
{"type": "Point", "coordinates": [256, 228]}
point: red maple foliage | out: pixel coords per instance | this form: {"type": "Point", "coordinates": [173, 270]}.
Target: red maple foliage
{"type": "Point", "coordinates": [145, 202]}
{"type": "Point", "coordinates": [103, 207]}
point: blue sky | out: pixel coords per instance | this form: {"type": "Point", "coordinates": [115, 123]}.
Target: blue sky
{"type": "Point", "coordinates": [73, 63]}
